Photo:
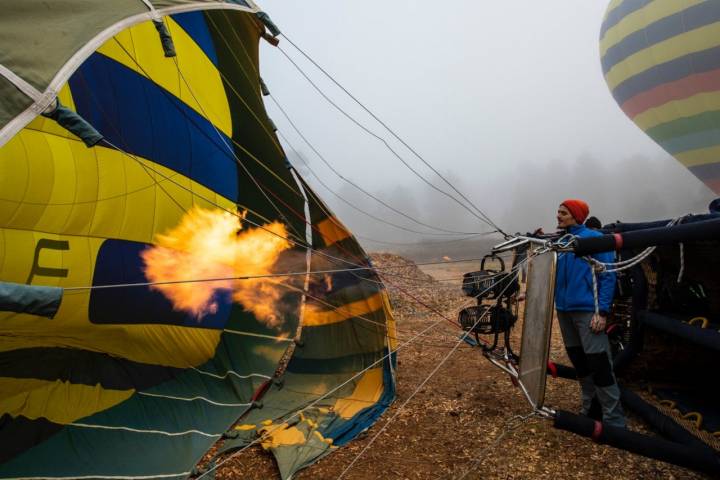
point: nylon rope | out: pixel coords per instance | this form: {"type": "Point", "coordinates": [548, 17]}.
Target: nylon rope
{"type": "Point", "coordinates": [419, 387]}
{"type": "Point", "coordinates": [385, 142]}
{"type": "Point", "coordinates": [350, 182]}
{"type": "Point", "coordinates": [334, 389]}
{"type": "Point", "coordinates": [370, 215]}
{"type": "Point", "coordinates": [237, 95]}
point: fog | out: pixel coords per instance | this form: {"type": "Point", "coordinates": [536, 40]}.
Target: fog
{"type": "Point", "coordinates": [506, 99]}
{"type": "Point", "coordinates": [639, 188]}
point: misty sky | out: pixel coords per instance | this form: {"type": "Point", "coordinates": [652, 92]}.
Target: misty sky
{"type": "Point", "coordinates": [506, 99]}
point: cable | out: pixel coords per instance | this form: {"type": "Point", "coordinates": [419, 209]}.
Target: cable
{"type": "Point", "coordinates": [418, 388]}
{"type": "Point", "coordinates": [342, 177]}
{"type": "Point", "coordinates": [387, 145]}
{"type": "Point", "coordinates": [353, 206]}
{"type": "Point", "coordinates": [396, 136]}
{"type": "Point", "coordinates": [336, 388]}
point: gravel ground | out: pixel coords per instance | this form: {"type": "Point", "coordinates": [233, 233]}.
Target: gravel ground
{"type": "Point", "coordinates": [457, 423]}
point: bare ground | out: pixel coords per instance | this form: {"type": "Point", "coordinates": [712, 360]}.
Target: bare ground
{"type": "Point", "coordinates": [456, 424]}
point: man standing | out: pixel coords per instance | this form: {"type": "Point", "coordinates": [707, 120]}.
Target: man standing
{"type": "Point", "coordinates": [583, 329]}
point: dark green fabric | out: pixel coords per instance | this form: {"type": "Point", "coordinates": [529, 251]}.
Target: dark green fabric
{"type": "Point", "coordinates": [265, 18]}
{"type": "Point", "coordinates": [165, 39]}
{"type": "Point", "coordinates": [36, 300]}
{"type": "Point", "coordinates": [74, 123]}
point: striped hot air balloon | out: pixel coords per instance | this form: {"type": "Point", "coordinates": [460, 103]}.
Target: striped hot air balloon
{"type": "Point", "coordinates": [161, 120]}
{"type": "Point", "coordinates": [661, 61]}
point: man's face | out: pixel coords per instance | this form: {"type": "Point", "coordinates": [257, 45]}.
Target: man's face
{"type": "Point", "coordinates": [565, 218]}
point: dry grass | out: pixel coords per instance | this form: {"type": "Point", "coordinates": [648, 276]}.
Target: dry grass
{"type": "Point", "coordinates": [450, 426]}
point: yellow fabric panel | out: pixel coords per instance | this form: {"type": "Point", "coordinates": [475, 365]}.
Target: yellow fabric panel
{"type": "Point", "coordinates": [316, 318]}
{"type": "Point", "coordinates": [701, 156]}
{"type": "Point", "coordinates": [640, 19]}
{"type": "Point", "coordinates": [332, 231]}
{"type": "Point", "coordinates": [320, 437]}
{"type": "Point", "coordinates": [670, 49]}
{"type": "Point", "coordinates": [58, 401]}
{"type": "Point", "coordinates": [390, 321]}
{"type": "Point", "coordinates": [367, 392]}
{"type": "Point", "coordinates": [245, 427]}
{"type": "Point", "coordinates": [687, 107]}
{"type": "Point", "coordinates": [52, 184]}
{"type": "Point", "coordinates": [51, 126]}
{"type": "Point", "coordinates": [206, 93]}
{"type": "Point", "coordinates": [277, 435]}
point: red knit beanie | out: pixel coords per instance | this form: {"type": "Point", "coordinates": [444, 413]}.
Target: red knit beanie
{"type": "Point", "coordinates": [578, 209]}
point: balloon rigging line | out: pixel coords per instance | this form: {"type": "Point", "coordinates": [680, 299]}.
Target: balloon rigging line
{"type": "Point", "coordinates": [295, 242]}
{"type": "Point", "coordinates": [226, 150]}
{"type": "Point", "coordinates": [374, 217]}
{"type": "Point", "coordinates": [214, 279]}
{"type": "Point", "coordinates": [483, 217]}
{"type": "Point", "coordinates": [239, 63]}
{"type": "Point", "coordinates": [459, 342]}
{"type": "Point", "coordinates": [227, 146]}
{"type": "Point", "coordinates": [353, 377]}
{"type": "Point", "coordinates": [345, 179]}
{"type": "Point", "coordinates": [392, 132]}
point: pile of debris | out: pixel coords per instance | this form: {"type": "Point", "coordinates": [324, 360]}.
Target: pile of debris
{"type": "Point", "coordinates": [412, 291]}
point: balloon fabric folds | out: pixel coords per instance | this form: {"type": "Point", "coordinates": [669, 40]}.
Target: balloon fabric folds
{"type": "Point", "coordinates": [661, 61]}
{"type": "Point", "coordinates": [140, 174]}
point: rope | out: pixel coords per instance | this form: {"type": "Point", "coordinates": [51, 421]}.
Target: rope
{"type": "Point", "coordinates": [353, 206]}
{"type": "Point", "coordinates": [387, 145]}
{"type": "Point", "coordinates": [342, 177]}
{"type": "Point", "coordinates": [396, 136]}
{"type": "Point", "coordinates": [417, 389]}
{"type": "Point", "coordinates": [336, 388]}
{"type": "Point", "coordinates": [204, 280]}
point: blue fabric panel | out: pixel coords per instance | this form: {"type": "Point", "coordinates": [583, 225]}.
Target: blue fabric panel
{"type": "Point", "coordinates": [706, 172]}
{"type": "Point", "coordinates": [621, 11]}
{"type": "Point", "coordinates": [143, 119]}
{"type": "Point", "coordinates": [119, 261]}
{"type": "Point", "coordinates": [195, 25]}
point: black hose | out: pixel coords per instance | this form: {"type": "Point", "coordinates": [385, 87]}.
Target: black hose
{"type": "Point", "coordinates": [687, 456]}
{"type": "Point", "coordinates": [705, 230]}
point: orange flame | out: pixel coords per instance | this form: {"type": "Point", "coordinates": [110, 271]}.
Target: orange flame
{"type": "Point", "coordinates": [210, 244]}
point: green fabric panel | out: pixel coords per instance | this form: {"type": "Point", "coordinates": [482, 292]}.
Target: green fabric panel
{"type": "Point", "coordinates": [13, 103]}
{"type": "Point", "coordinates": [685, 126]}
{"type": "Point", "coordinates": [274, 196]}
{"type": "Point", "coordinates": [296, 391]}
{"type": "Point", "coordinates": [348, 364]}
{"type": "Point", "coordinates": [351, 337]}
{"type": "Point", "coordinates": [37, 37]}
{"type": "Point", "coordinates": [292, 458]}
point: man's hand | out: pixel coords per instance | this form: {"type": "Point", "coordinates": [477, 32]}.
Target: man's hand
{"type": "Point", "coordinates": [598, 322]}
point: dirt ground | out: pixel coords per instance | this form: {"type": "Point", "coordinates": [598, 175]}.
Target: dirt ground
{"type": "Point", "coordinates": [457, 422]}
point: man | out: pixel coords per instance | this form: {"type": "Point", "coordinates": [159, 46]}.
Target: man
{"type": "Point", "coordinates": [582, 329]}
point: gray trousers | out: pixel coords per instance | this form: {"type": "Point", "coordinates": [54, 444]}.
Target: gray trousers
{"type": "Point", "coordinates": [590, 354]}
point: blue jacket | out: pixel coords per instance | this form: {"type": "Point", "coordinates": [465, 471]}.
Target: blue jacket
{"type": "Point", "coordinates": [573, 280]}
